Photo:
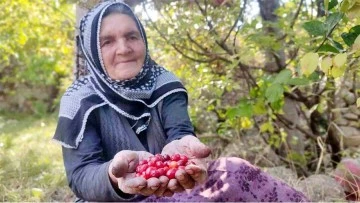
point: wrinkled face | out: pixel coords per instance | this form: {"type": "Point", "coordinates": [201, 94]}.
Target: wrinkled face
{"type": "Point", "coordinates": [122, 48]}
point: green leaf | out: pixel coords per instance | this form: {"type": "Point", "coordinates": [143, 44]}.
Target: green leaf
{"type": "Point", "coordinates": [259, 107]}
{"type": "Point", "coordinates": [267, 127]}
{"type": "Point", "coordinates": [274, 92]}
{"type": "Point", "coordinates": [358, 102]}
{"type": "Point", "coordinates": [337, 45]}
{"type": "Point", "coordinates": [350, 37]}
{"type": "Point", "coordinates": [332, 4]}
{"type": "Point", "coordinates": [332, 20]}
{"type": "Point", "coordinates": [244, 109]}
{"type": "Point", "coordinates": [314, 77]}
{"type": "Point", "coordinates": [283, 76]}
{"type": "Point", "coordinates": [328, 48]}
{"type": "Point", "coordinates": [298, 81]}
{"type": "Point", "coordinates": [315, 28]}
{"type": "Point", "coordinates": [309, 62]}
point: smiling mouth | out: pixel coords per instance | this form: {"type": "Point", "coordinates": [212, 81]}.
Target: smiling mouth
{"type": "Point", "coordinates": [126, 61]}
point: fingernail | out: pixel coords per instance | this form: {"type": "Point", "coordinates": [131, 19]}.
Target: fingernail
{"type": "Point", "coordinates": [154, 188]}
{"type": "Point", "coordinates": [190, 172]}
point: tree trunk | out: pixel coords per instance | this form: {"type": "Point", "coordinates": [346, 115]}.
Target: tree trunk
{"type": "Point", "coordinates": [275, 58]}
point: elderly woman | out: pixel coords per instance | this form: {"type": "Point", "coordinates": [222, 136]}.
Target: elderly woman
{"type": "Point", "coordinates": [128, 109]}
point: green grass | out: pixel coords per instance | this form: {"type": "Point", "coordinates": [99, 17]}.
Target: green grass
{"type": "Point", "coordinates": [31, 165]}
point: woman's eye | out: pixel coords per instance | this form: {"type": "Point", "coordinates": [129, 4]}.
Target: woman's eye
{"type": "Point", "coordinates": [133, 37]}
{"type": "Point", "coordinates": [104, 43]}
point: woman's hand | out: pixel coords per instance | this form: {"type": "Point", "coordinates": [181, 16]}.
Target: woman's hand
{"type": "Point", "coordinates": [194, 173]}
{"type": "Point", "coordinates": [122, 173]}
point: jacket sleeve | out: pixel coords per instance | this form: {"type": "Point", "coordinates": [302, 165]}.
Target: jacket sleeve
{"type": "Point", "coordinates": [87, 171]}
{"type": "Point", "coordinates": [175, 117]}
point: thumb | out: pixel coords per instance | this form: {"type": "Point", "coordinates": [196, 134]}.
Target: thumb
{"type": "Point", "coordinates": [123, 162]}
{"type": "Point", "coordinates": [197, 148]}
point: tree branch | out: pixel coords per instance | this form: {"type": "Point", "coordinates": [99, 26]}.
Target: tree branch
{"type": "Point", "coordinates": [241, 13]}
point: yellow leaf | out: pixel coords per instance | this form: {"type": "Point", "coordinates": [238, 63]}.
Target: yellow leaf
{"type": "Point", "coordinates": [338, 71]}
{"type": "Point", "coordinates": [339, 60]}
{"type": "Point", "coordinates": [309, 63]}
{"type": "Point", "coordinates": [267, 127]}
{"type": "Point", "coordinates": [358, 102]}
{"type": "Point", "coordinates": [344, 6]}
{"type": "Point", "coordinates": [326, 4]}
{"type": "Point", "coordinates": [325, 65]}
{"type": "Point", "coordinates": [354, 12]}
{"type": "Point", "coordinates": [356, 45]}
{"type": "Point", "coordinates": [37, 192]}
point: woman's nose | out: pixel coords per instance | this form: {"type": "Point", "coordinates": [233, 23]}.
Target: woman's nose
{"type": "Point", "coordinates": [122, 47]}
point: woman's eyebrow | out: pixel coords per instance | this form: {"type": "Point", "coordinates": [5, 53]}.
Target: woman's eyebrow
{"type": "Point", "coordinates": [127, 34]}
{"type": "Point", "coordinates": [105, 37]}
{"type": "Point", "coordinates": [132, 32]}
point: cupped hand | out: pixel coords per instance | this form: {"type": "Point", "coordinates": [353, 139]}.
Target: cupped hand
{"type": "Point", "coordinates": [122, 171]}
{"type": "Point", "coordinates": [196, 151]}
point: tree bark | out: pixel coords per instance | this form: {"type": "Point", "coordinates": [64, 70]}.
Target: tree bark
{"type": "Point", "coordinates": [275, 58]}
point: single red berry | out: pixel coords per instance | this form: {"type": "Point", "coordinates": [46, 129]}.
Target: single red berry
{"type": "Point", "coordinates": [171, 173]}
{"type": "Point", "coordinates": [159, 164]}
{"type": "Point", "coordinates": [161, 171]}
{"type": "Point", "coordinates": [181, 162]}
{"type": "Point", "coordinates": [154, 173]}
{"type": "Point", "coordinates": [184, 158]}
{"type": "Point", "coordinates": [175, 157]}
{"type": "Point", "coordinates": [166, 157]}
{"type": "Point", "coordinates": [173, 164]}
{"type": "Point", "coordinates": [141, 168]}
{"type": "Point", "coordinates": [159, 157]}
{"type": "Point", "coordinates": [152, 163]}
{"type": "Point", "coordinates": [142, 162]}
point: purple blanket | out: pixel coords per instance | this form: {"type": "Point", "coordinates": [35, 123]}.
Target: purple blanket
{"type": "Point", "coordinates": [236, 180]}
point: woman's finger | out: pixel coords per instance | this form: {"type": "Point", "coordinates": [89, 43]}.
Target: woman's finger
{"type": "Point", "coordinates": [163, 186]}
{"type": "Point", "coordinates": [199, 174]}
{"type": "Point", "coordinates": [174, 186]}
{"type": "Point", "coordinates": [122, 162]}
{"type": "Point", "coordinates": [152, 185]}
{"type": "Point", "coordinates": [184, 179]}
{"type": "Point", "coordinates": [132, 185]}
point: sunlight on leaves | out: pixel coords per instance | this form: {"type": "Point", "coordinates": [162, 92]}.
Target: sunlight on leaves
{"type": "Point", "coordinates": [356, 45]}
{"type": "Point", "coordinates": [339, 60]}
{"type": "Point", "coordinates": [326, 64]}
{"type": "Point", "coordinates": [274, 92]}
{"type": "Point", "coordinates": [309, 63]}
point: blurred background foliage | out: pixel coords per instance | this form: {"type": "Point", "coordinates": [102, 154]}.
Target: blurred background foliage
{"type": "Point", "coordinates": [36, 53]}
{"type": "Point", "coordinates": [283, 71]}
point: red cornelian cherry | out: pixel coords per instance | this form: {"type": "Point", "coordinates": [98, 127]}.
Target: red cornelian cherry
{"type": "Point", "coordinates": [162, 165]}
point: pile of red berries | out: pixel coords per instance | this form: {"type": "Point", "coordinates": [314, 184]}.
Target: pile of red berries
{"type": "Point", "coordinates": [162, 165]}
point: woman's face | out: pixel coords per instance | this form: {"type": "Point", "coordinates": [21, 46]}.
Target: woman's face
{"type": "Point", "coordinates": [122, 48]}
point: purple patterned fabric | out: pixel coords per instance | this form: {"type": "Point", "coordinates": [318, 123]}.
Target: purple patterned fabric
{"type": "Point", "coordinates": [233, 179]}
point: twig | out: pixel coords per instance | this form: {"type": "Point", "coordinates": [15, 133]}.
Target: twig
{"type": "Point", "coordinates": [321, 145]}
{"type": "Point", "coordinates": [236, 21]}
